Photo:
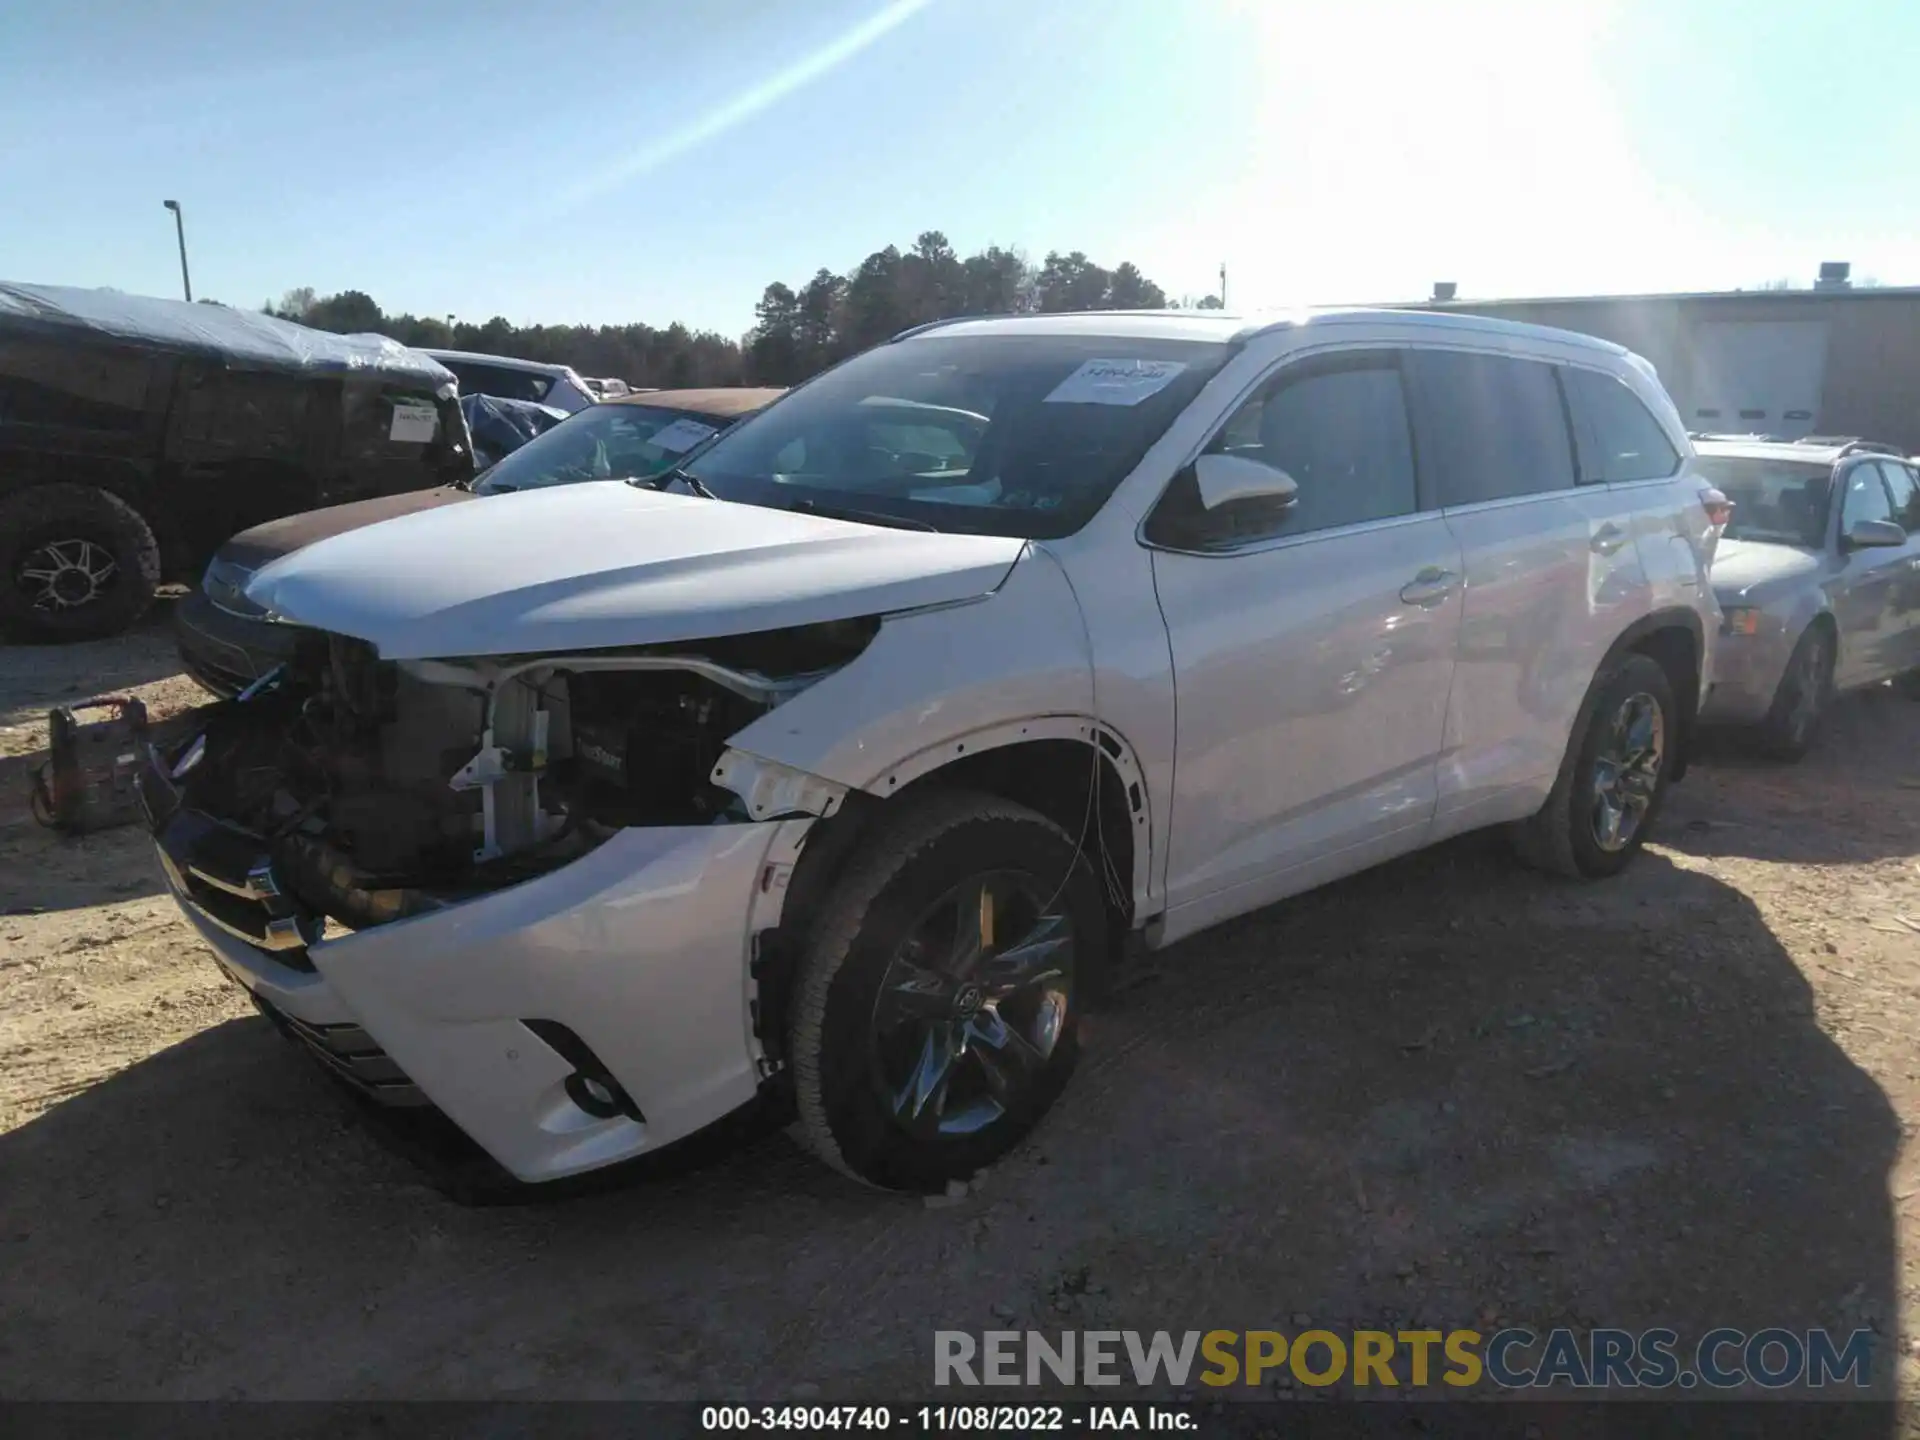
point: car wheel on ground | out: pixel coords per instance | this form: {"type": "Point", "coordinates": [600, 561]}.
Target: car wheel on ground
{"type": "Point", "coordinates": [1800, 702]}
{"type": "Point", "coordinates": [1611, 784]}
{"type": "Point", "coordinates": [76, 563]}
{"type": "Point", "coordinates": [935, 1017]}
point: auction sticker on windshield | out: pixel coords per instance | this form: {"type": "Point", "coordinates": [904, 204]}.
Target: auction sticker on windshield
{"type": "Point", "coordinates": [1115, 382]}
{"type": "Point", "coordinates": [682, 435]}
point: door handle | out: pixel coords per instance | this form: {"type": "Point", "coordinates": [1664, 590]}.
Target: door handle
{"type": "Point", "coordinates": [1607, 539]}
{"type": "Point", "coordinates": [1430, 587]}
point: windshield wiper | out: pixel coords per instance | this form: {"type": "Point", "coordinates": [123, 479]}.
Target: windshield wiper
{"type": "Point", "coordinates": [863, 517]}
{"type": "Point", "coordinates": [667, 477]}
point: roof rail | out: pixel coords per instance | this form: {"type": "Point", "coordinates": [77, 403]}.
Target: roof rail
{"type": "Point", "coordinates": [1849, 444]}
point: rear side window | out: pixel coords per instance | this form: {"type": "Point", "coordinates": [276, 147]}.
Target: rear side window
{"type": "Point", "coordinates": [237, 412]}
{"type": "Point", "coordinates": [1339, 430]}
{"type": "Point", "coordinates": [80, 387]}
{"type": "Point", "coordinates": [1905, 492]}
{"type": "Point", "coordinates": [1619, 438]}
{"type": "Point", "coordinates": [1491, 427]}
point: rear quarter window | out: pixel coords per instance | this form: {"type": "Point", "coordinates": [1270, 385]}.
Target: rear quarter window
{"type": "Point", "coordinates": [1619, 438]}
{"type": "Point", "coordinates": [1489, 427]}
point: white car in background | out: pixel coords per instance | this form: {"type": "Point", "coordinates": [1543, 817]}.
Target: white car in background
{"type": "Point", "coordinates": [836, 762]}
{"type": "Point", "coordinates": [508, 379]}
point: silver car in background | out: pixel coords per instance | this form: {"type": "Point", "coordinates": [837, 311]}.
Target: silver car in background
{"type": "Point", "coordinates": [1818, 579]}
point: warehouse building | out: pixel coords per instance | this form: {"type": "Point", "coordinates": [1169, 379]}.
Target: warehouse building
{"type": "Point", "coordinates": [1832, 360]}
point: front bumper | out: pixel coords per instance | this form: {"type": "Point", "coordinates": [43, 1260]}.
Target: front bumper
{"type": "Point", "coordinates": [1746, 673]}
{"type": "Point", "coordinates": [225, 652]}
{"type": "Point", "coordinates": [640, 949]}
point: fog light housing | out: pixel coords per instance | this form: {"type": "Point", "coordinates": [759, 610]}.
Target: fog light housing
{"type": "Point", "coordinates": [591, 1086]}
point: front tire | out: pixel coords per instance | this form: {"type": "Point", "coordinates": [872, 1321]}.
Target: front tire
{"type": "Point", "coordinates": [1614, 778]}
{"type": "Point", "coordinates": [1800, 700]}
{"type": "Point", "coordinates": [936, 1016]}
{"type": "Point", "coordinates": [76, 563]}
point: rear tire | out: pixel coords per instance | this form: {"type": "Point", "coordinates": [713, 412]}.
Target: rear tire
{"type": "Point", "coordinates": [1613, 779]}
{"type": "Point", "coordinates": [913, 1065]}
{"type": "Point", "coordinates": [1800, 700]}
{"type": "Point", "coordinates": [76, 563]}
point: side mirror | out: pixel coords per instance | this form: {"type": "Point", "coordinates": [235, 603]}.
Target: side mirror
{"type": "Point", "coordinates": [1222, 479]}
{"type": "Point", "coordinates": [1874, 535]}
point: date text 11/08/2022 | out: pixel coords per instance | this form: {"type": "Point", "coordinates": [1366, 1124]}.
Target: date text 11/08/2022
{"type": "Point", "coordinates": [1773, 1358]}
{"type": "Point", "coordinates": [936, 1419]}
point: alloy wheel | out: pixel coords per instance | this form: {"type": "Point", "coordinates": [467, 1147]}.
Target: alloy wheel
{"type": "Point", "coordinates": [1626, 773]}
{"type": "Point", "coordinates": [66, 574]}
{"type": "Point", "coordinates": [972, 1005]}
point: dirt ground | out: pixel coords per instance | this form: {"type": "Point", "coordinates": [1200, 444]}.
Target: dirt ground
{"type": "Point", "coordinates": [1447, 1092]}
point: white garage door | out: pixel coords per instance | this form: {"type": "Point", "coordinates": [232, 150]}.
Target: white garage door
{"type": "Point", "coordinates": [1759, 376]}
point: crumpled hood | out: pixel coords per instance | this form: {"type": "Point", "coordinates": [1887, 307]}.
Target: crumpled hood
{"type": "Point", "coordinates": [1739, 565]}
{"type": "Point", "coordinates": [605, 564]}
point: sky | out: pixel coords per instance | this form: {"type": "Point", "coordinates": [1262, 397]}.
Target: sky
{"type": "Point", "coordinates": [655, 160]}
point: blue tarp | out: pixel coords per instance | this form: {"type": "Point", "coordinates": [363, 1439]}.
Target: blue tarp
{"type": "Point", "coordinates": [238, 339]}
{"type": "Point", "coordinates": [500, 426]}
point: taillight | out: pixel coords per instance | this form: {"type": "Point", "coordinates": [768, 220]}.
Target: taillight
{"type": "Point", "coordinates": [1718, 507]}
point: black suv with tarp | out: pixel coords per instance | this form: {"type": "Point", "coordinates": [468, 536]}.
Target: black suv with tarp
{"type": "Point", "coordinates": [136, 434]}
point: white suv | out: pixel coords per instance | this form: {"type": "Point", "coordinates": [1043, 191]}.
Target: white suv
{"type": "Point", "coordinates": [506, 378]}
{"type": "Point", "coordinates": [839, 766]}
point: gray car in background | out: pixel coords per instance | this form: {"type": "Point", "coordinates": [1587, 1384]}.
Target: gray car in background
{"type": "Point", "coordinates": [1817, 575]}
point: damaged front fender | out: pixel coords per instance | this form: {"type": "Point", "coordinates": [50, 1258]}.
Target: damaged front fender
{"type": "Point", "coordinates": [772, 791]}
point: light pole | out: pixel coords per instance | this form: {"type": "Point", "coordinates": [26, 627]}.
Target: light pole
{"type": "Point", "coordinates": [180, 229]}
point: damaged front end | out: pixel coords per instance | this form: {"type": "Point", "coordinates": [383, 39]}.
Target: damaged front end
{"type": "Point", "coordinates": [526, 890]}
{"type": "Point", "coordinates": [358, 791]}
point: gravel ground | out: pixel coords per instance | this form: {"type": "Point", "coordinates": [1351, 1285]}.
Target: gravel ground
{"type": "Point", "coordinates": [1448, 1092]}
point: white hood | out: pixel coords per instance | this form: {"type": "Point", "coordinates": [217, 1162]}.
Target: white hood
{"type": "Point", "coordinates": [594, 566]}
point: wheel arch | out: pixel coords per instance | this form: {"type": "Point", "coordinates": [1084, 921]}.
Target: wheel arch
{"type": "Point", "coordinates": [1675, 639]}
{"type": "Point", "coordinates": [1823, 616]}
{"type": "Point", "coordinates": [1075, 770]}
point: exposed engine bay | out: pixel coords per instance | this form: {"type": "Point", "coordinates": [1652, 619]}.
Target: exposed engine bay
{"type": "Point", "coordinates": [382, 789]}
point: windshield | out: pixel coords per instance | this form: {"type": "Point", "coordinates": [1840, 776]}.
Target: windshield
{"type": "Point", "coordinates": [1018, 435]}
{"type": "Point", "coordinates": [606, 442]}
{"type": "Point", "coordinates": [1778, 502]}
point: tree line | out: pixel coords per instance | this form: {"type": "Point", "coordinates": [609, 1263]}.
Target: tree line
{"type": "Point", "coordinates": [796, 333]}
